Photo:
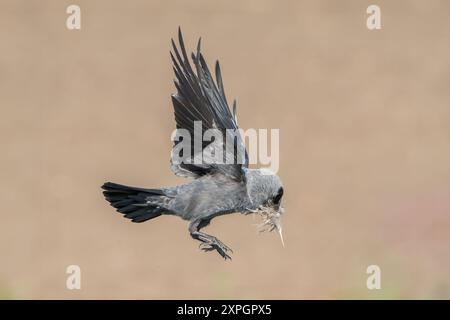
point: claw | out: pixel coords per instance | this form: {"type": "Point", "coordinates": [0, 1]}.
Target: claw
{"type": "Point", "coordinates": [217, 245]}
{"type": "Point", "coordinates": [223, 245]}
{"type": "Point", "coordinates": [223, 253]}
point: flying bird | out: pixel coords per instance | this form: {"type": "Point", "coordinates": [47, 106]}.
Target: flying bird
{"type": "Point", "coordinates": [216, 188]}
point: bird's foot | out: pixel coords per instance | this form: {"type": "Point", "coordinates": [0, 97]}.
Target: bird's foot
{"type": "Point", "coordinates": [219, 246]}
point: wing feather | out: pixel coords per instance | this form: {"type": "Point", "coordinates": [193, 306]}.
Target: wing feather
{"type": "Point", "coordinates": [199, 98]}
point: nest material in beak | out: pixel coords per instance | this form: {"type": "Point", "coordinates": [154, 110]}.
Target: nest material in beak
{"type": "Point", "coordinates": [271, 220]}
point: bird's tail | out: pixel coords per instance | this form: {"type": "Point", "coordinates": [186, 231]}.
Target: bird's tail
{"type": "Point", "coordinates": [137, 204]}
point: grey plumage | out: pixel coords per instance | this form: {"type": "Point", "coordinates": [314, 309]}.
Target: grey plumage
{"type": "Point", "coordinates": [217, 189]}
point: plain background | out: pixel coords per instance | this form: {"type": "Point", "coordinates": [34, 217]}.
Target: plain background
{"type": "Point", "coordinates": [364, 123]}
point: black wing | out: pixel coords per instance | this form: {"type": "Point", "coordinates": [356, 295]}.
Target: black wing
{"type": "Point", "coordinates": [199, 98]}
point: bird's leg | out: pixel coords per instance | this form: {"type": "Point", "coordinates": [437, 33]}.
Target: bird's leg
{"type": "Point", "coordinates": [208, 242]}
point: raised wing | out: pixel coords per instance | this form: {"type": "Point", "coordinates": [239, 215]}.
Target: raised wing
{"type": "Point", "coordinates": [200, 104]}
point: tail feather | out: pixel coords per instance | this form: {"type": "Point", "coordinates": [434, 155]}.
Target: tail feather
{"type": "Point", "coordinates": [137, 204]}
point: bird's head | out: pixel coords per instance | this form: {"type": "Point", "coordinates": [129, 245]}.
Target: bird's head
{"type": "Point", "coordinates": [266, 192]}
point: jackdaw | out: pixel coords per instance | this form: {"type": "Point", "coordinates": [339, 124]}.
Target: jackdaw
{"type": "Point", "coordinates": [217, 188]}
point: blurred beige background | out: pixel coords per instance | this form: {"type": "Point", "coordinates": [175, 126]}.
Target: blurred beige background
{"type": "Point", "coordinates": [364, 123]}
